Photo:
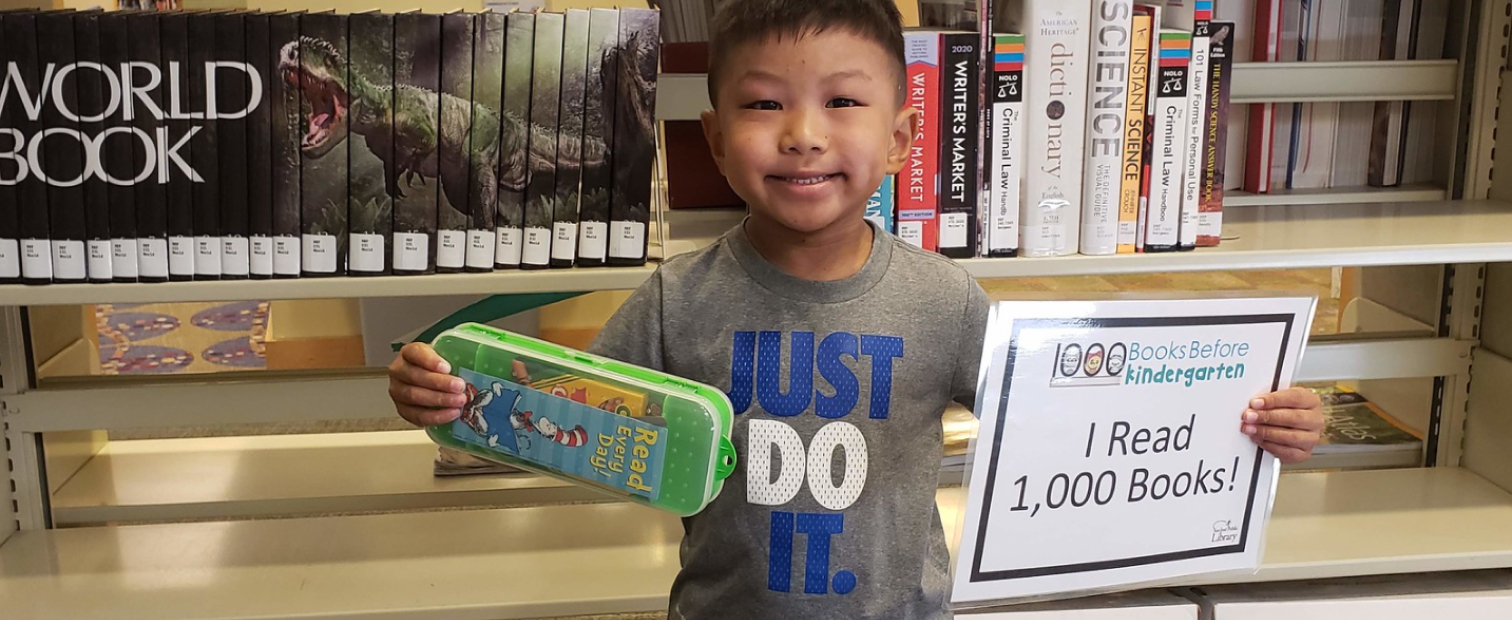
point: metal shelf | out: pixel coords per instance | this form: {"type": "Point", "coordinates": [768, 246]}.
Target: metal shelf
{"type": "Point", "coordinates": [619, 557]}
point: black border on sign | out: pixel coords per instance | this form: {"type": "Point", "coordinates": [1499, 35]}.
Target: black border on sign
{"type": "Point", "coordinates": [980, 576]}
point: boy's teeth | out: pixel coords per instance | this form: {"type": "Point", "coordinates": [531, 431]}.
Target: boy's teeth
{"type": "Point", "coordinates": [809, 180]}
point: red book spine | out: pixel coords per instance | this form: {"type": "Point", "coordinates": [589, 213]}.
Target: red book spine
{"type": "Point", "coordinates": [919, 202]}
{"type": "Point", "coordinates": [1262, 123]}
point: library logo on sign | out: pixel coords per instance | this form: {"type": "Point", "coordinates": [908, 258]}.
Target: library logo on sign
{"type": "Point", "coordinates": [1088, 363]}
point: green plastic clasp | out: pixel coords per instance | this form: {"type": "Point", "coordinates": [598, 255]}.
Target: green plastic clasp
{"type": "Point", "coordinates": [726, 464]}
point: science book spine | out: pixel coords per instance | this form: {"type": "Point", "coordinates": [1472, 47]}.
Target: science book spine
{"type": "Point", "coordinates": [960, 125]}
{"type": "Point", "coordinates": [598, 137]}
{"type": "Point", "coordinates": [1164, 223]}
{"type": "Point", "coordinates": [260, 148]}
{"type": "Point", "coordinates": [417, 82]}
{"type": "Point", "coordinates": [33, 253]}
{"type": "Point", "coordinates": [919, 202]}
{"type": "Point", "coordinates": [488, 95]}
{"type": "Point", "coordinates": [231, 96]}
{"type": "Point", "coordinates": [570, 158]}
{"type": "Point", "coordinates": [455, 154]}
{"type": "Point", "coordinates": [204, 148]}
{"type": "Point", "coordinates": [1215, 144]}
{"type": "Point", "coordinates": [515, 140]}
{"type": "Point", "coordinates": [62, 153]}
{"type": "Point", "coordinates": [92, 111]}
{"type": "Point", "coordinates": [1131, 165]}
{"type": "Point", "coordinates": [1006, 128]}
{"type": "Point", "coordinates": [1057, 37]}
{"type": "Point", "coordinates": [1196, 120]}
{"type": "Point", "coordinates": [117, 146]}
{"type": "Point", "coordinates": [288, 126]}
{"type": "Point", "coordinates": [323, 167]}
{"type": "Point", "coordinates": [370, 214]}
{"type": "Point", "coordinates": [635, 135]}
{"type": "Point", "coordinates": [545, 108]}
{"type": "Point", "coordinates": [179, 191]}
{"type": "Point", "coordinates": [1107, 102]}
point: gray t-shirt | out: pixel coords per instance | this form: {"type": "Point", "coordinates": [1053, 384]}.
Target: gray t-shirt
{"type": "Point", "coordinates": [838, 390]}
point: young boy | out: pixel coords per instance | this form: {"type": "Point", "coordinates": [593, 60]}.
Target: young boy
{"type": "Point", "coordinates": [833, 339]}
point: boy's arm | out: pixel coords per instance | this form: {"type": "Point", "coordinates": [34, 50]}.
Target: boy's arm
{"type": "Point", "coordinates": [963, 386]}
{"type": "Point", "coordinates": [634, 334]}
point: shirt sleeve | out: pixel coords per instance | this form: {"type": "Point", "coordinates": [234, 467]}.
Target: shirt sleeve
{"type": "Point", "coordinates": [634, 334]}
{"type": "Point", "coordinates": [973, 331]}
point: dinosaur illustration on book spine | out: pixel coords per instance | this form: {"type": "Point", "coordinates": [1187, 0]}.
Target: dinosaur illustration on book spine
{"type": "Point", "coordinates": [488, 95]}
{"type": "Point", "coordinates": [414, 119]}
{"type": "Point", "coordinates": [635, 135]}
{"type": "Point", "coordinates": [545, 106]}
{"type": "Point", "coordinates": [598, 124]}
{"type": "Point", "coordinates": [455, 152]}
{"type": "Point", "coordinates": [318, 59]}
{"type": "Point", "coordinates": [370, 209]}
{"type": "Point", "coordinates": [288, 129]}
{"type": "Point", "coordinates": [570, 139]}
{"type": "Point", "coordinates": [519, 50]}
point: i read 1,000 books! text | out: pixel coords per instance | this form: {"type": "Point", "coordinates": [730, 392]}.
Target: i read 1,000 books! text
{"type": "Point", "coordinates": [156, 146]}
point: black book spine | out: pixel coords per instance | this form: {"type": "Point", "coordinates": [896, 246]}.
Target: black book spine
{"type": "Point", "coordinates": [92, 111]}
{"type": "Point", "coordinates": [182, 176]}
{"type": "Point", "coordinates": [260, 149]}
{"type": "Point", "coordinates": [959, 125]}
{"type": "Point", "coordinates": [545, 108]}
{"type": "Point", "coordinates": [144, 111]}
{"type": "Point", "coordinates": [454, 151]}
{"type": "Point", "coordinates": [635, 136]}
{"type": "Point", "coordinates": [515, 138]}
{"type": "Point", "coordinates": [32, 191]}
{"type": "Point", "coordinates": [63, 158]}
{"type": "Point", "coordinates": [118, 146]}
{"type": "Point", "coordinates": [12, 162]}
{"type": "Point", "coordinates": [205, 148]}
{"type": "Point", "coordinates": [231, 105]}
{"type": "Point", "coordinates": [598, 138]}
{"type": "Point", "coordinates": [323, 169]}
{"type": "Point", "coordinates": [488, 84]}
{"type": "Point", "coordinates": [284, 95]}
{"type": "Point", "coordinates": [417, 80]}
{"type": "Point", "coordinates": [370, 145]}
{"type": "Point", "coordinates": [570, 140]}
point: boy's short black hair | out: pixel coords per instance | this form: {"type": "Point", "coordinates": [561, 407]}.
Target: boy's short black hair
{"type": "Point", "coordinates": [739, 22]}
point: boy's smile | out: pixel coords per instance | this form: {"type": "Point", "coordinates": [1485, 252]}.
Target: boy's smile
{"type": "Point", "coordinates": [804, 128]}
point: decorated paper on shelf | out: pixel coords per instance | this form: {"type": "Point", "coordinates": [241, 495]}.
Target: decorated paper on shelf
{"type": "Point", "coordinates": [1163, 226]}
{"type": "Point", "coordinates": [1107, 102]}
{"type": "Point", "coordinates": [1110, 453]}
{"type": "Point", "coordinates": [1006, 139]}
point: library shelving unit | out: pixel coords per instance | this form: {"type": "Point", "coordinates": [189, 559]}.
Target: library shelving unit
{"type": "Point", "coordinates": [164, 528]}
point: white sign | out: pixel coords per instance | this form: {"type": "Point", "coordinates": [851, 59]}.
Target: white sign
{"type": "Point", "coordinates": [1109, 452]}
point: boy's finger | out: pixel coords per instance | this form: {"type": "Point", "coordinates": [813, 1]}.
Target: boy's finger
{"type": "Point", "coordinates": [420, 377]}
{"type": "Point", "coordinates": [422, 397]}
{"type": "Point", "coordinates": [1302, 419]}
{"type": "Point", "coordinates": [1293, 398]}
{"type": "Point", "coordinates": [1285, 436]}
{"type": "Point", "coordinates": [422, 355]}
{"type": "Point", "coordinates": [1286, 454]}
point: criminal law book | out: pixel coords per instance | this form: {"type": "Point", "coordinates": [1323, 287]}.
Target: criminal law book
{"type": "Point", "coordinates": [63, 163]}
{"type": "Point", "coordinates": [1193, 16]}
{"type": "Point", "coordinates": [24, 252]}
{"type": "Point", "coordinates": [10, 208]}
{"type": "Point", "coordinates": [960, 126]}
{"type": "Point", "coordinates": [319, 59]}
{"type": "Point", "coordinates": [370, 144]}
{"type": "Point", "coordinates": [1163, 230]}
{"type": "Point", "coordinates": [635, 135]}
{"type": "Point", "coordinates": [93, 108]}
{"type": "Point", "coordinates": [259, 56]}
{"type": "Point", "coordinates": [417, 80]}
{"type": "Point", "coordinates": [570, 141]}
{"type": "Point", "coordinates": [182, 177]}
{"type": "Point", "coordinates": [516, 156]}
{"type": "Point", "coordinates": [488, 95]}
{"type": "Point", "coordinates": [454, 153]}
{"type": "Point", "coordinates": [284, 95]}
{"type": "Point", "coordinates": [1006, 137]}
{"type": "Point", "coordinates": [150, 198]}
{"type": "Point", "coordinates": [118, 146]}
{"type": "Point", "coordinates": [1107, 103]}
{"type": "Point", "coordinates": [598, 131]}
{"type": "Point", "coordinates": [545, 108]}
{"type": "Point", "coordinates": [919, 198]}
{"type": "Point", "coordinates": [233, 90]}
{"type": "Point", "coordinates": [204, 148]}
{"type": "Point", "coordinates": [1153, 11]}
{"type": "Point", "coordinates": [1131, 168]}
{"type": "Point", "coordinates": [1215, 143]}
{"type": "Point", "coordinates": [1057, 34]}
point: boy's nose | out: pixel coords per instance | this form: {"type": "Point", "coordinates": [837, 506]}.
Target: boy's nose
{"type": "Point", "coordinates": [805, 133]}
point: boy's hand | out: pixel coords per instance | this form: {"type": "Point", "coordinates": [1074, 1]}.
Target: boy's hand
{"type": "Point", "coordinates": [422, 391]}
{"type": "Point", "coordinates": [1287, 424]}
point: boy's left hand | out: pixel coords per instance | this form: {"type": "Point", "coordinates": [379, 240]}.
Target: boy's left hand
{"type": "Point", "coordinates": [1287, 424]}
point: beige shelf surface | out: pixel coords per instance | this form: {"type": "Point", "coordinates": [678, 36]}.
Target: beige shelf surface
{"type": "Point", "coordinates": [1334, 195]}
{"type": "Point", "coordinates": [616, 557]}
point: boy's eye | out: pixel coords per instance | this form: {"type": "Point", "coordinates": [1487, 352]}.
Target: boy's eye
{"type": "Point", "coordinates": [764, 105]}
{"type": "Point", "coordinates": [843, 102]}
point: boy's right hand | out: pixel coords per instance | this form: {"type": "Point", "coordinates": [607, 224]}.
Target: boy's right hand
{"type": "Point", "coordinates": [421, 388]}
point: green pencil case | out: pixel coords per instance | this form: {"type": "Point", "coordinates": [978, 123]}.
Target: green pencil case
{"type": "Point", "coordinates": [629, 431]}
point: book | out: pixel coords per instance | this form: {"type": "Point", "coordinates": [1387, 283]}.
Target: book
{"type": "Point", "coordinates": [370, 144]}
{"type": "Point", "coordinates": [28, 207]}
{"type": "Point", "coordinates": [635, 136]}
{"type": "Point", "coordinates": [960, 127]}
{"type": "Point", "coordinates": [118, 146]}
{"type": "Point", "coordinates": [515, 144]}
{"type": "Point", "coordinates": [284, 95]}
{"type": "Point", "coordinates": [545, 110]}
{"type": "Point", "coordinates": [1388, 142]}
{"type": "Point", "coordinates": [1162, 232]}
{"type": "Point", "coordinates": [180, 134]}
{"type": "Point", "coordinates": [919, 202]}
{"type": "Point", "coordinates": [1056, 37]}
{"type": "Point", "coordinates": [1353, 425]}
{"type": "Point", "coordinates": [1262, 116]}
{"type": "Point", "coordinates": [570, 142]}
{"type": "Point", "coordinates": [92, 110]}
{"type": "Point", "coordinates": [880, 205]}
{"type": "Point", "coordinates": [1215, 142]}
{"type": "Point", "coordinates": [204, 147]}
{"type": "Point", "coordinates": [1131, 168]}
{"type": "Point", "coordinates": [11, 147]}
{"type": "Point", "coordinates": [230, 106]}
{"type": "Point", "coordinates": [324, 170]}
{"type": "Point", "coordinates": [598, 132]}
{"type": "Point", "coordinates": [417, 82]}
{"type": "Point", "coordinates": [259, 55]}
{"type": "Point", "coordinates": [149, 195]}
{"type": "Point", "coordinates": [1197, 16]}
{"type": "Point", "coordinates": [488, 95]}
{"type": "Point", "coordinates": [1142, 219]}
{"type": "Point", "coordinates": [1006, 138]}
{"type": "Point", "coordinates": [454, 150]}
{"type": "Point", "coordinates": [62, 161]}
{"type": "Point", "coordinates": [1107, 103]}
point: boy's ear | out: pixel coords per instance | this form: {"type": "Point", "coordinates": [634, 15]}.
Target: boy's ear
{"type": "Point", "coordinates": [715, 136]}
{"type": "Point", "coordinates": [898, 148]}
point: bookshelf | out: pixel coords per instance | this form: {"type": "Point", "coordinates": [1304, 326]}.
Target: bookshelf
{"type": "Point", "coordinates": [613, 557]}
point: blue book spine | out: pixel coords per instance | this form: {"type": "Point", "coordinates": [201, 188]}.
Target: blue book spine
{"type": "Point", "coordinates": [882, 204]}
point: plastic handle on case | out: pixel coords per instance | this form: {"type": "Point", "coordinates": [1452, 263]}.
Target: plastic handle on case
{"type": "Point", "coordinates": [727, 460]}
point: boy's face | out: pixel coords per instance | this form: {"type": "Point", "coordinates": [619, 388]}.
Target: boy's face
{"type": "Point", "coordinates": [806, 127]}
